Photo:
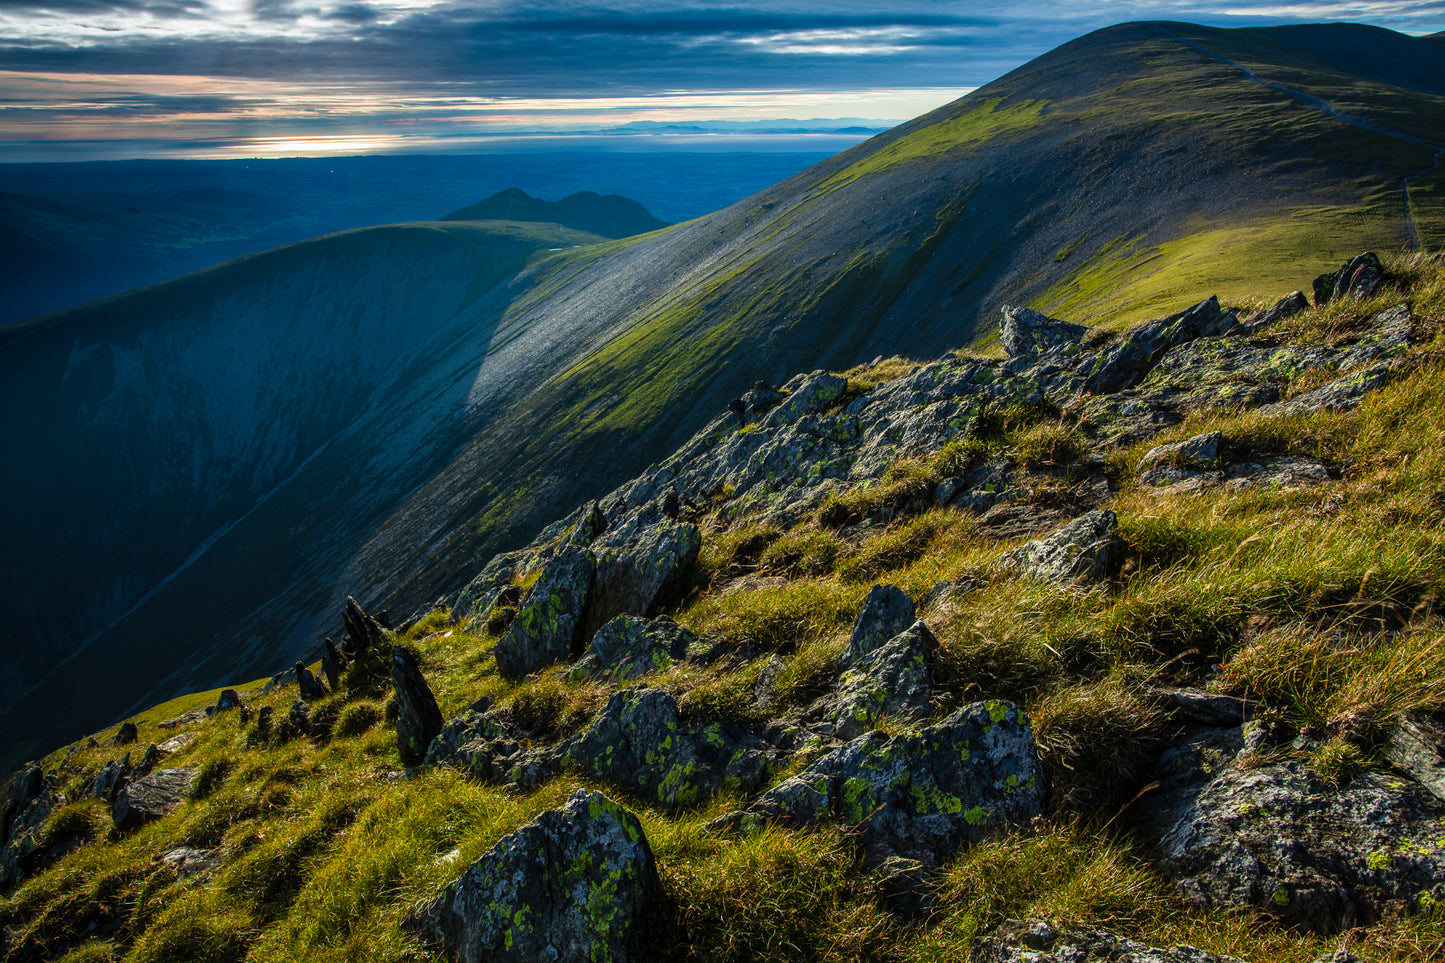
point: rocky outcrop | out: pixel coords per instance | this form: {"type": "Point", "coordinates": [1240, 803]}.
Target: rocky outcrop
{"type": "Point", "coordinates": [886, 612]}
{"type": "Point", "coordinates": [1036, 941]}
{"type": "Point", "coordinates": [125, 735]}
{"type": "Point", "coordinates": [640, 560]}
{"type": "Point", "coordinates": [1026, 334]}
{"type": "Point", "coordinates": [893, 682]}
{"type": "Point", "coordinates": [1316, 856]}
{"type": "Point", "coordinates": [111, 779]}
{"type": "Point", "coordinates": [1083, 552]}
{"type": "Point", "coordinates": [1286, 307]}
{"type": "Point", "coordinates": [150, 798]}
{"type": "Point", "coordinates": [418, 720]}
{"type": "Point", "coordinates": [484, 749]}
{"type": "Point", "coordinates": [549, 621]}
{"type": "Point", "coordinates": [30, 796]}
{"type": "Point", "coordinates": [311, 688]}
{"type": "Point", "coordinates": [569, 886]}
{"type": "Point", "coordinates": [1199, 453]}
{"type": "Point", "coordinates": [921, 796]}
{"type": "Point", "coordinates": [1417, 748]}
{"type": "Point", "coordinates": [1358, 279]}
{"type": "Point", "coordinates": [638, 741]}
{"type": "Point", "coordinates": [629, 648]}
{"type": "Point", "coordinates": [1130, 361]}
{"type": "Point", "coordinates": [362, 631]}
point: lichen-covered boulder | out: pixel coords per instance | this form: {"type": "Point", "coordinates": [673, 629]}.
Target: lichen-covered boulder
{"type": "Point", "coordinates": [1199, 452]}
{"type": "Point", "coordinates": [1083, 551]}
{"type": "Point", "coordinates": [916, 796]}
{"type": "Point", "coordinates": [1026, 334]}
{"type": "Point", "coordinates": [567, 887]}
{"type": "Point", "coordinates": [1357, 279]}
{"type": "Point", "coordinates": [418, 719]}
{"type": "Point", "coordinates": [893, 681]}
{"type": "Point", "coordinates": [639, 741]}
{"type": "Point", "coordinates": [639, 561]}
{"type": "Point", "coordinates": [1130, 361]}
{"type": "Point", "coordinates": [813, 392]}
{"type": "Point", "coordinates": [1417, 747]}
{"type": "Point", "coordinates": [550, 617]}
{"type": "Point", "coordinates": [1316, 856]}
{"type": "Point", "coordinates": [887, 610]}
{"type": "Point", "coordinates": [1286, 307]}
{"type": "Point", "coordinates": [1036, 941]}
{"type": "Point", "coordinates": [479, 746]}
{"type": "Point", "coordinates": [29, 798]}
{"type": "Point", "coordinates": [150, 798]}
{"type": "Point", "coordinates": [111, 779]}
{"type": "Point", "coordinates": [628, 648]}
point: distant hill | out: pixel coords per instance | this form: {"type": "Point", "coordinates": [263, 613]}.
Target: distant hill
{"type": "Point", "coordinates": [609, 215]}
{"type": "Point", "coordinates": [376, 413]}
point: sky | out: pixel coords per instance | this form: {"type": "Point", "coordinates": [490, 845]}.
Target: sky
{"type": "Point", "coordinates": [83, 79]}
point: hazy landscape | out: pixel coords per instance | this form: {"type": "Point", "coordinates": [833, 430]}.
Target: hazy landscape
{"type": "Point", "coordinates": [959, 545]}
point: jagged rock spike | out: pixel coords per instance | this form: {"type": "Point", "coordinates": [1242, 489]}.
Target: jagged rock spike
{"type": "Point", "coordinates": [418, 720]}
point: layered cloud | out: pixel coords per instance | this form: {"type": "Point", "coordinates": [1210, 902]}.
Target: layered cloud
{"type": "Point", "coordinates": [226, 67]}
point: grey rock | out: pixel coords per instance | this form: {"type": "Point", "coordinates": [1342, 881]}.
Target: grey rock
{"type": "Point", "coordinates": [1035, 941]}
{"type": "Point", "coordinates": [299, 718]}
{"type": "Point", "coordinates": [1285, 472]}
{"type": "Point", "coordinates": [887, 611]}
{"type": "Point", "coordinates": [638, 741]}
{"type": "Point", "coordinates": [125, 735]}
{"type": "Point", "coordinates": [816, 391]}
{"type": "Point", "coordinates": [310, 686]}
{"type": "Point", "coordinates": [1343, 394]}
{"type": "Point", "coordinates": [639, 562]}
{"type": "Point", "coordinates": [1085, 550]}
{"type": "Point", "coordinates": [917, 796]}
{"type": "Point", "coordinates": [176, 743]}
{"type": "Point", "coordinates": [479, 746]}
{"type": "Point", "coordinates": [184, 719]}
{"type": "Point", "coordinates": [30, 797]}
{"type": "Point", "coordinates": [947, 593]}
{"type": "Point", "coordinates": [188, 861]}
{"type": "Point", "coordinates": [1417, 748]}
{"type": "Point", "coordinates": [1286, 307]}
{"type": "Point", "coordinates": [1026, 334]}
{"type": "Point", "coordinates": [549, 620]}
{"type": "Point", "coordinates": [228, 700]}
{"type": "Point", "coordinates": [893, 681]}
{"type": "Point", "coordinates": [364, 631]}
{"type": "Point", "coordinates": [629, 648]}
{"type": "Point", "coordinates": [151, 797]}
{"type": "Point", "coordinates": [568, 886]}
{"type": "Point", "coordinates": [1203, 708]}
{"type": "Point", "coordinates": [1200, 452]}
{"type": "Point", "coordinates": [1357, 279]}
{"type": "Point", "coordinates": [1316, 856]}
{"type": "Point", "coordinates": [111, 779]}
{"type": "Point", "coordinates": [1130, 361]}
{"type": "Point", "coordinates": [333, 663]}
{"type": "Point", "coordinates": [153, 754]}
{"type": "Point", "coordinates": [418, 720]}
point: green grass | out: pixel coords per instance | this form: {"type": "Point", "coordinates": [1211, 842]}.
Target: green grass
{"type": "Point", "coordinates": [1280, 596]}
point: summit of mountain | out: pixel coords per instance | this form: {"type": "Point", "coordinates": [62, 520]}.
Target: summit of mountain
{"type": "Point", "coordinates": [375, 414]}
{"type": "Point", "coordinates": [606, 215]}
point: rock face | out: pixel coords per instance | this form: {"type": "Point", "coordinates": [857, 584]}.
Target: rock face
{"type": "Point", "coordinates": [1035, 941]}
{"type": "Point", "coordinates": [628, 648]}
{"type": "Point", "coordinates": [1082, 552]}
{"type": "Point", "coordinates": [1357, 279]}
{"type": "Point", "coordinates": [1026, 334]}
{"type": "Point", "coordinates": [638, 741]}
{"type": "Point", "coordinates": [363, 631]}
{"type": "Point", "coordinates": [418, 719]}
{"type": "Point", "coordinates": [886, 612]}
{"type": "Point", "coordinates": [639, 560]}
{"type": "Point", "coordinates": [569, 887]}
{"type": "Point", "coordinates": [1127, 364]}
{"type": "Point", "coordinates": [550, 618]}
{"type": "Point", "coordinates": [1316, 856]}
{"type": "Point", "coordinates": [28, 800]}
{"type": "Point", "coordinates": [920, 796]}
{"type": "Point", "coordinates": [893, 681]}
{"type": "Point", "coordinates": [150, 798]}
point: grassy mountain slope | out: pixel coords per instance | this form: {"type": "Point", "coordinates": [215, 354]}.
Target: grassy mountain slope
{"type": "Point", "coordinates": [606, 216]}
{"type": "Point", "coordinates": [1318, 601]}
{"type": "Point", "coordinates": [1110, 179]}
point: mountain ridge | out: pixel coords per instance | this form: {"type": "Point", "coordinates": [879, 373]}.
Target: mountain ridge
{"type": "Point", "coordinates": [583, 363]}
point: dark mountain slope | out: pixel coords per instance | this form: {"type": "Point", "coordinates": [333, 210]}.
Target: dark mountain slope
{"type": "Point", "coordinates": [1108, 180]}
{"type": "Point", "coordinates": [608, 215]}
